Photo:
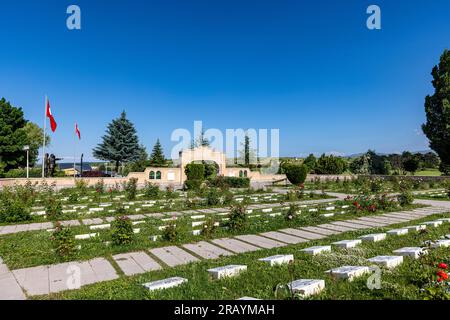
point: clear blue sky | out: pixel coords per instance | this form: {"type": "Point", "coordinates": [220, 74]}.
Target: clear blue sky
{"type": "Point", "coordinates": [310, 68]}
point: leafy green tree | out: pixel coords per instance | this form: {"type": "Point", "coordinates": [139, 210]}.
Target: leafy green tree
{"type": "Point", "coordinates": [157, 157]}
{"type": "Point", "coordinates": [437, 109]}
{"type": "Point", "coordinates": [310, 162]}
{"type": "Point", "coordinates": [378, 164]}
{"type": "Point", "coordinates": [411, 164]}
{"type": "Point", "coordinates": [12, 137]}
{"type": "Point", "coordinates": [35, 136]}
{"type": "Point", "coordinates": [330, 165]}
{"type": "Point", "coordinates": [120, 144]}
{"type": "Point", "coordinates": [360, 165]}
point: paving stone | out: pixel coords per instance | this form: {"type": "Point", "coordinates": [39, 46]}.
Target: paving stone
{"type": "Point", "coordinates": [103, 270]}
{"type": "Point", "coordinates": [247, 298]}
{"type": "Point", "coordinates": [413, 252]}
{"type": "Point", "coordinates": [173, 256]}
{"type": "Point", "coordinates": [348, 272]}
{"type": "Point", "coordinates": [347, 244]}
{"type": "Point", "coordinates": [260, 241]}
{"type": "Point", "coordinates": [322, 231]}
{"type": "Point", "coordinates": [387, 261]}
{"type": "Point", "coordinates": [226, 271]}
{"type": "Point", "coordinates": [278, 259]}
{"type": "Point", "coordinates": [316, 250]}
{"type": "Point", "coordinates": [374, 237]}
{"type": "Point", "coordinates": [234, 245]}
{"type": "Point", "coordinates": [372, 223]}
{"type": "Point", "coordinates": [10, 289]}
{"type": "Point", "coordinates": [35, 280]}
{"type": "Point", "coordinates": [206, 250]}
{"type": "Point", "coordinates": [165, 283]}
{"type": "Point", "coordinates": [283, 237]}
{"type": "Point", "coordinates": [307, 287]}
{"type": "Point", "coordinates": [303, 234]}
{"type": "Point", "coordinates": [398, 232]}
{"type": "Point", "coordinates": [136, 217]}
{"type": "Point", "coordinates": [349, 225]}
{"type": "Point", "coordinates": [135, 263]}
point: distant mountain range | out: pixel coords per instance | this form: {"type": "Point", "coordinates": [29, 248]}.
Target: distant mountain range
{"type": "Point", "coordinates": [355, 155]}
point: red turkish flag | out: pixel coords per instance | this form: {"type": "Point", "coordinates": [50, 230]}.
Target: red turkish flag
{"type": "Point", "coordinates": [50, 116]}
{"type": "Point", "coordinates": [77, 131]}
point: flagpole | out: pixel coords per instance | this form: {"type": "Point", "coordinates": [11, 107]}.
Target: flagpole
{"type": "Point", "coordinates": [43, 144]}
{"type": "Point", "coordinates": [75, 152]}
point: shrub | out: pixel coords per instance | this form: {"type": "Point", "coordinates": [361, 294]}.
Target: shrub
{"type": "Point", "coordinates": [122, 231]}
{"type": "Point", "coordinates": [291, 195]}
{"type": "Point", "coordinates": [170, 193]}
{"type": "Point", "coordinates": [195, 171]}
{"type": "Point", "coordinates": [228, 198]}
{"type": "Point", "coordinates": [195, 184]}
{"type": "Point", "coordinates": [405, 198]}
{"type": "Point", "coordinates": [151, 191]}
{"type": "Point", "coordinates": [237, 217]}
{"type": "Point", "coordinates": [13, 210]}
{"type": "Point", "coordinates": [230, 182]}
{"type": "Point", "coordinates": [73, 198]}
{"type": "Point", "coordinates": [100, 186]}
{"type": "Point", "coordinates": [63, 241]}
{"type": "Point", "coordinates": [330, 165]}
{"type": "Point", "coordinates": [209, 227]}
{"type": "Point", "coordinates": [296, 174]}
{"type": "Point", "coordinates": [130, 188]}
{"type": "Point", "coordinates": [53, 208]}
{"type": "Point", "coordinates": [81, 186]}
{"type": "Point", "coordinates": [291, 213]}
{"type": "Point", "coordinates": [170, 232]}
{"type": "Point", "coordinates": [213, 197]}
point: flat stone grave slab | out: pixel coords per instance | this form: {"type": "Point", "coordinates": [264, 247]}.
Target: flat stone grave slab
{"type": "Point", "coordinates": [387, 261]}
{"type": "Point", "coordinates": [335, 228]}
{"type": "Point", "coordinates": [433, 223]}
{"type": "Point", "coordinates": [226, 271]}
{"type": "Point", "coordinates": [322, 231]}
{"type": "Point", "coordinates": [39, 226]}
{"type": "Point", "coordinates": [374, 237]}
{"type": "Point", "coordinates": [398, 232]}
{"type": "Point", "coordinates": [206, 211]}
{"type": "Point", "coordinates": [206, 250]}
{"type": "Point", "coordinates": [348, 272]}
{"type": "Point", "coordinates": [441, 243]}
{"type": "Point", "coordinates": [307, 287]}
{"type": "Point", "coordinates": [70, 223]}
{"type": "Point", "coordinates": [347, 244]}
{"type": "Point", "coordinates": [154, 215]}
{"type": "Point", "coordinates": [370, 222]}
{"type": "Point", "coordinates": [135, 263]}
{"type": "Point", "coordinates": [165, 283]}
{"type": "Point", "coordinates": [260, 241]}
{"type": "Point", "coordinates": [173, 256]}
{"type": "Point", "coordinates": [234, 245]}
{"type": "Point", "coordinates": [88, 222]}
{"type": "Point", "coordinates": [303, 234]}
{"type": "Point", "coordinates": [283, 237]}
{"type": "Point", "coordinates": [278, 259]}
{"type": "Point", "coordinates": [395, 217]}
{"type": "Point", "coordinates": [10, 289]}
{"type": "Point", "coordinates": [316, 250]}
{"type": "Point", "coordinates": [444, 219]}
{"type": "Point", "coordinates": [247, 298]}
{"type": "Point", "coordinates": [136, 216]}
{"type": "Point", "coordinates": [412, 252]}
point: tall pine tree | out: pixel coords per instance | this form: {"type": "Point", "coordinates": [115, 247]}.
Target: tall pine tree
{"type": "Point", "coordinates": [157, 157]}
{"type": "Point", "coordinates": [437, 109]}
{"type": "Point", "coordinates": [120, 144]}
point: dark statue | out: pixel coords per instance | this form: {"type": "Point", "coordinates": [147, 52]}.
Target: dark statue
{"type": "Point", "coordinates": [50, 165]}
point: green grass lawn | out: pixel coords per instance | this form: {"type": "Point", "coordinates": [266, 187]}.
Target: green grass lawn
{"type": "Point", "coordinates": [428, 173]}
{"type": "Point", "coordinates": [260, 280]}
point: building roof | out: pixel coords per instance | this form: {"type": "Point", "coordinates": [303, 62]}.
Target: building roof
{"type": "Point", "coordinates": [66, 166]}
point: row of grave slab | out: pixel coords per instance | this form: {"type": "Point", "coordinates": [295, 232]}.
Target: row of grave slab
{"type": "Point", "coordinates": [42, 280]}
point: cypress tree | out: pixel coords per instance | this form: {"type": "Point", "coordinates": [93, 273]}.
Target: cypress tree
{"type": "Point", "coordinates": [437, 109]}
{"type": "Point", "coordinates": [120, 143]}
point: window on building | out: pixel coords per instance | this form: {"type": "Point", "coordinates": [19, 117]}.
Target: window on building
{"type": "Point", "coordinates": [152, 175]}
{"type": "Point", "coordinates": [158, 175]}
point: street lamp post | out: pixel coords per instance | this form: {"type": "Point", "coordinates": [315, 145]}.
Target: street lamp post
{"type": "Point", "coordinates": [27, 149]}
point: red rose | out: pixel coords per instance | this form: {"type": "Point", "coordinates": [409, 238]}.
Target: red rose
{"type": "Point", "coordinates": [443, 266]}
{"type": "Point", "coordinates": [442, 274]}
{"type": "Point", "coordinates": [439, 280]}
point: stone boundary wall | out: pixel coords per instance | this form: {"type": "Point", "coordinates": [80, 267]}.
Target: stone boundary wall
{"type": "Point", "coordinates": [415, 178]}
